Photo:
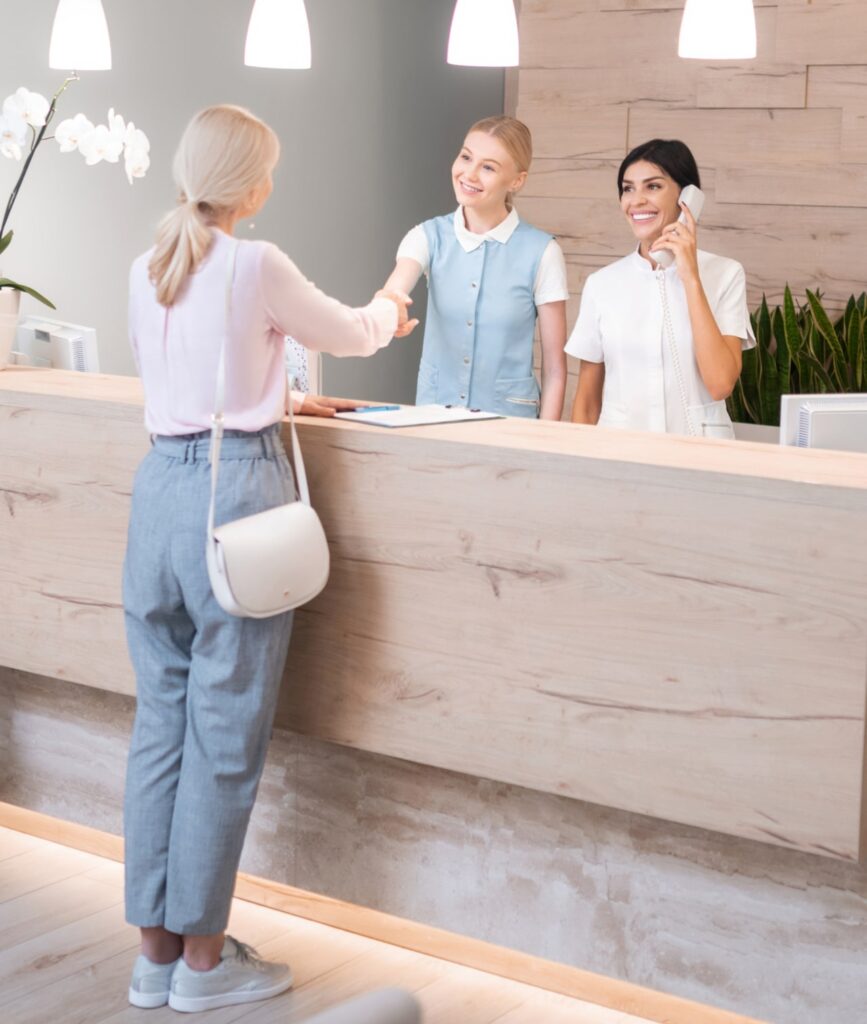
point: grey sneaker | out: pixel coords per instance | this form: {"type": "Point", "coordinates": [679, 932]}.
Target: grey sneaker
{"type": "Point", "coordinates": [241, 976]}
{"type": "Point", "coordinates": [150, 983]}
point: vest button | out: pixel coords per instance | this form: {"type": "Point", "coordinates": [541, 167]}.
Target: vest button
{"type": "Point", "coordinates": [469, 323]}
{"type": "Point", "coordinates": [474, 284]}
{"type": "Point", "coordinates": [463, 398]}
{"type": "Point", "coordinates": [466, 360]}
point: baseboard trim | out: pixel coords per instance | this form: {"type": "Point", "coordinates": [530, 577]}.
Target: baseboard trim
{"type": "Point", "coordinates": [644, 1003]}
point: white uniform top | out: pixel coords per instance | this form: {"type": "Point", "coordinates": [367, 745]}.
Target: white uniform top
{"type": "Point", "coordinates": [621, 324]}
{"type": "Point", "coordinates": [550, 284]}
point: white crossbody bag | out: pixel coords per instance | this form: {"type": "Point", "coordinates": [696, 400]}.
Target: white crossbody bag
{"type": "Point", "coordinates": [271, 562]}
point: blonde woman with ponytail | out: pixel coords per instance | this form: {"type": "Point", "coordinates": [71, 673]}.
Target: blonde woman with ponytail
{"type": "Point", "coordinates": [207, 682]}
{"type": "Point", "coordinates": [491, 278]}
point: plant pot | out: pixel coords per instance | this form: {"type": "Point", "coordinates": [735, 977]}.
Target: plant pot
{"type": "Point", "coordinates": [10, 300]}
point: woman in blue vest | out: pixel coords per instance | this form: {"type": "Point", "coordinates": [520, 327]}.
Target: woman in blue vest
{"type": "Point", "coordinates": [490, 277]}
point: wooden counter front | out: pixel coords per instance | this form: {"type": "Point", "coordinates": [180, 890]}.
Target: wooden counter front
{"type": "Point", "coordinates": [671, 626]}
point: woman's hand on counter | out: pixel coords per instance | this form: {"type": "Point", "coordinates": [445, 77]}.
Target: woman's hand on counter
{"type": "Point", "coordinates": [322, 405]}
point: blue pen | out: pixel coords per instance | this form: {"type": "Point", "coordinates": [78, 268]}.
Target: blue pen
{"type": "Point", "coordinates": [377, 408]}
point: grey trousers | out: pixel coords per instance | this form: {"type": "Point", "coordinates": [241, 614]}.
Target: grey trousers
{"type": "Point", "coordinates": [207, 682]}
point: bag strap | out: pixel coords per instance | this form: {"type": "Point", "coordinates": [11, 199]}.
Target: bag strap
{"type": "Point", "coordinates": [668, 331]}
{"type": "Point", "coordinates": [217, 420]}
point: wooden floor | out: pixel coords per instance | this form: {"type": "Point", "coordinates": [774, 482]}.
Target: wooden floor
{"type": "Point", "coordinates": [66, 955]}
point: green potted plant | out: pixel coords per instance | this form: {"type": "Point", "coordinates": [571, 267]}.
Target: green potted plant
{"type": "Point", "coordinates": [800, 349]}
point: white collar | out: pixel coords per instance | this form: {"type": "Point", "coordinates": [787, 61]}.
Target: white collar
{"type": "Point", "coordinates": [644, 266]}
{"type": "Point", "coordinates": [501, 233]}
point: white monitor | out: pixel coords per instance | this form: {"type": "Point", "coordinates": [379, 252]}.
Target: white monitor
{"type": "Point", "coordinates": [43, 342]}
{"type": "Point", "coordinates": [824, 421]}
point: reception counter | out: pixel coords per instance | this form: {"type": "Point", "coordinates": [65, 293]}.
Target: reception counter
{"type": "Point", "coordinates": [669, 626]}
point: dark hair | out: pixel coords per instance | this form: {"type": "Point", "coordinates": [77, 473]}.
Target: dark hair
{"type": "Point", "coordinates": [670, 155]}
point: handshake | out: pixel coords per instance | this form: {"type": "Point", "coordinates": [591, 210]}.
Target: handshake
{"type": "Point", "coordinates": [405, 326]}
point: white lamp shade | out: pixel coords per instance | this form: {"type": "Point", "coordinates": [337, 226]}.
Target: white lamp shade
{"type": "Point", "coordinates": [718, 30]}
{"type": "Point", "coordinates": [79, 38]}
{"type": "Point", "coordinates": [484, 34]}
{"type": "Point", "coordinates": [278, 35]}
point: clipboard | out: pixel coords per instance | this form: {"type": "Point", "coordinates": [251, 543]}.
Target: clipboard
{"type": "Point", "coordinates": [418, 416]}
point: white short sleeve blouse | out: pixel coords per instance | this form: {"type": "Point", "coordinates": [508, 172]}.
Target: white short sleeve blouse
{"type": "Point", "coordinates": [621, 324]}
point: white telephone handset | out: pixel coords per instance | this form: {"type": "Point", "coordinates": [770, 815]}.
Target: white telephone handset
{"type": "Point", "coordinates": [694, 199]}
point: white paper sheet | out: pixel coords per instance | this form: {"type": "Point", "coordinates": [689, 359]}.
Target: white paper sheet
{"type": "Point", "coordinates": [418, 416]}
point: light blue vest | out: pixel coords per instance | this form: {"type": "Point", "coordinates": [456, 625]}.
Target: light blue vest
{"type": "Point", "coordinates": [481, 316]}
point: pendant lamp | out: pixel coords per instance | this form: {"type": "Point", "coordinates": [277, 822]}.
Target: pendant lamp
{"type": "Point", "coordinates": [484, 34]}
{"type": "Point", "coordinates": [79, 37]}
{"type": "Point", "coordinates": [718, 30]}
{"type": "Point", "coordinates": [278, 35]}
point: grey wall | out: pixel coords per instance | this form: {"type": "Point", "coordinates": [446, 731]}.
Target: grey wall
{"type": "Point", "coordinates": [368, 137]}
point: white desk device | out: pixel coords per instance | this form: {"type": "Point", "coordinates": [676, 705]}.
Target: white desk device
{"type": "Point", "coordinates": [824, 421]}
{"type": "Point", "coordinates": [694, 199]}
{"type": "Point", "coordinates": [41, 342]}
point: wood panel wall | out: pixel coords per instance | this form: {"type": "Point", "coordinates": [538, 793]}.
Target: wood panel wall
{"type": "Point", "coordinates": [781, 141]}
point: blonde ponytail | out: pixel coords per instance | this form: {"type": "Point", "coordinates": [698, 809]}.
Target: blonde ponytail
{"type": "Point", "coordinates": [225, 155]}
{"type": "Point", "coordinates": [183, 241]}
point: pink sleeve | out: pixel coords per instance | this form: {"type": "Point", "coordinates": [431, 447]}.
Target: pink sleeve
{"type": "Point", "coordinates": [296, 306]}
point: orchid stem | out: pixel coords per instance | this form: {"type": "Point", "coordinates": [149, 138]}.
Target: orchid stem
{"type": "Point", "coordinates": [73, 77]}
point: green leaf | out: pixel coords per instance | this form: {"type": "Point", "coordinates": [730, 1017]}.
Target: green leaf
{"type": "Point", "coordinates": [784, 356]}
{"type": "Point", "coordinates": [762, 325]}
{"type": "Point", "coordinates": [851, 333]}
{"type": "Point", "coordinates": [826, 330]}
{"type": "Point", "coordinates": [791, 328]}
{"type": "Point", "coordinates": [769, 379]}
{"type": "Point", "coordinates": [6, 283]}
{"type": "Point", "coordinates": [5, 241]}
{"type": "Point", "coordinates": [750, 384]}
{"type": "Point", "coordinates": [819, 374]}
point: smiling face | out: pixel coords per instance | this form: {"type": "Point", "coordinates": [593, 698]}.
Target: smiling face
{"type": "Point", "coordinates": [649, 201]}
{"type": "Point", "coordinates": [485, 173]}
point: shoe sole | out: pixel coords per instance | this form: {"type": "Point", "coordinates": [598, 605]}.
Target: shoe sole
{"type": "Point", "coordinates": [147, 1000]}
{"type": "Point", "coordinates": [195, 1004]}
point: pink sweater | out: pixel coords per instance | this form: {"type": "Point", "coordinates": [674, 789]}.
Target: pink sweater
{"type": "Point", "coordinates": [177, 349]}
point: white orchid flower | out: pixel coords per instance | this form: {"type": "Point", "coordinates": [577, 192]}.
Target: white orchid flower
{"type": "Point", "coordinates": [136, 162]}
{"type": "Point", "coordinates": [136, 138]}
{"type": "Point", "coordinates": [136, 159]}
{"type": "Point", "coordinates": [116, 126]}
{"type": "Point", "coordinates": [31, 107]}
{"type": "Point", "coordinates": [70, 132]}
{"type": "Point", "coordinates": [13, 135]}
{"type": "Point", "coordinates": [99, 145]}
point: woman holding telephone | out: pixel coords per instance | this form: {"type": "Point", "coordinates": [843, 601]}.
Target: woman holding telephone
{"type": "Point", "coordinates": [661, 331]}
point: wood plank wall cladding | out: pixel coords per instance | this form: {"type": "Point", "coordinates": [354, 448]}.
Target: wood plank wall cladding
{"type": "Point", "coordinates": [781, 141]}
